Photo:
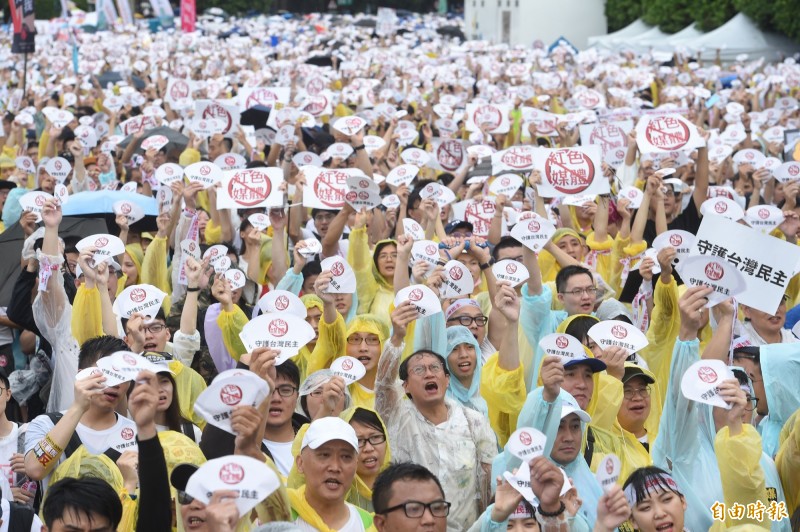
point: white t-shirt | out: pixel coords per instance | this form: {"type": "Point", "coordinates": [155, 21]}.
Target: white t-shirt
{"type": "Point", "coordinates": [121, 437]}
{"type": "Point", "coordinates": [198, 434]}
{"type": "Point", "coordinates": [8, 446]}
{"type": "Point", "coordinates": [354, 524]}
{"type": "Point", "coordinates": [281, 454]}
{"type": "Point", "coordinates": [36, 525]}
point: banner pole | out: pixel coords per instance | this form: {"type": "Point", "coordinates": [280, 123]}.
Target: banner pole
{"type": "Point", "coordinates": [25, 77]}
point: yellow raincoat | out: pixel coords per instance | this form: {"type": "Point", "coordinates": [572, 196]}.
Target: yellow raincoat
{"type": "Point", "coordinates": [188, 385]}
{"type": "Point", "coordinates": [787, 461]}
{"type": "Point", "coordinates": [375, 292]}
{"type": "Point", "coordinates": [504, 392]}
{"type": "Point", "coordinates": [301, 508]}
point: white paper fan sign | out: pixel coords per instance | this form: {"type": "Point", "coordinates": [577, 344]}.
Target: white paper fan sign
{"type": "Point", "coordinates": [124, 366]}
{"type": "Point", "coordinates": [442, 110]}
{"type": "Point", "coordinates": [481, 151]}
{"type": "Point", "coordinates": [348, 368]}
{"type": "Point", "coordinates": [458, 281]}
{"type": "Point", "coordinates": [313, 247]}
{"type": "Point", "coordinates": [510, 271]}
{"type": "Point", "coordinates": [130, 186]}
{"type": "Point", "coordinates": [222, 265]}
{"type": "Point", "coordinates": [719, 274]}
{"type": "Point", "coordinates": [106, 246]}
{"type": "Point", "coordinates": [701, 382]}
{"type": "Point", "coordinates": [608, 472]}
{"type": "Point", "coordinates": [681, 241]}
{"type": "Point", "coordinates": [344, 278]}
{"type": "Point", "coordinates": [415, 156]}
{"type": "Point", "coordinates": [505, 184]}
{"type": "Point", "coordinates": [477, 179]}
{"type": "Point", "coordinates": [361, 183]}
{"type": "Point", "coordinates": [285, 332]}
{"type": "Point", "coordinates": [306, 158]}
{"type": "Point", "coordinates": [533, 232]}
{"type": "Point", "coordinates": [564, 346]}
{"type": "Point", "coordinates": [227, 391]}
{"type": "Point", "coordinates": [788, 171]}
{"type": "Point", "coordinates": [61, 118]}
{"type": "Point", "coordinates": [191, 248]}
{"type": "Point", "coordinates": [282, 301]}
{"type": "Point", "coordinates": [614, 333]}
{"type": "Point", "coordinates": [204, 172]}
{"type": "Point", "coordinates": [230, 161]}
{"type": "Point", "coordinates": [340, 150]}
{"type": "Point", "coordinates": [770, 163]}
{"type": "Point", "coordinates": [142, 299]}
{"type": "Point", "coordinates": [526, 443]}
{"type": "Point", "coordinates": [59, 168]}
{"type": "Point", "coordinates": [392, 201]}
{"type": "Point", "coordinates": [61, 192]}
{"type": "Point", "coordinates": [132, 211]}
{"type": "Point", "coordinates": [578, 200]}
{"type": "Point", "coordinates": [259, 220]}
{"type": "Point", "coordinates": [215, 253]}
{"type": "Point", "coordinates": [251, 479]}
{"type": "Point", "coordinates": [413, 229]}
{"type": "Point", "coordinates": [168, 173]}
{"type": "Point", "coordinates": [34, 202]}
{"type": "Point", "coordinates": [349, 125]}
{"type": "Point", "coordinates": [156, 142]}
{"type": "Point", "coordinates": [765, 218]}
{"type": "Point", "coordinates": [749, 156]}
{"type": "Point", "coordinates": [25, 163]}
{"type": "Point", "coordinates": [440, 194]}
{"type": "Point", "coordinates": [521, 481]}
{"type": "Point", "coordinates": [722, 206]}
{"type": "Point", "coordinates": [364, 199]}
{"type": "Point", "coordinates": [236, 277]}
{"type": "Point", "coordinates": [421, 297]}
{"type": "Point", "coordinates": [652, 254]}
{"type": "Point", "coordinates": [402, 175]}
{"type": "Point", "coordinates": [632, 194]}
{"type": "Point", "coordinates": [206, 127]}
{"type": "Point", "coordinates": [425, 250]}
{"type": "Point", "coordinates": [114, 103]}
{"type": "Point", "coordinates": [373, 143]}
{"type": "Point", "coordinates": [406, 136]}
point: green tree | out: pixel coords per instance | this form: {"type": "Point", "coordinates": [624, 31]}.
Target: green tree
{"type": "Point", "coordinates": [761, 11]}
{"type": "Point", "coordinates": [669, 15]}
{"type": "Point", "coordinates": [620, 13]}
{"type": "Point", "coordinates": [235, 7]}
{"type": "Point", "coordinates": [711, 14]}
{"type": "Point", "coordinates": [785, 18]}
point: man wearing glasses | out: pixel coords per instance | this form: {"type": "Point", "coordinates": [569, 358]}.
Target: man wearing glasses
{"type": "Point", "coordinates": [455, 443]}
{"type": "Point", "coordinates": [409, 497]}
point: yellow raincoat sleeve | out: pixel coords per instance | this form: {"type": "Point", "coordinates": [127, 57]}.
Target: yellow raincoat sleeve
{"type": "Point", "coordinates": [330, 344]}
{"type": "Point", "coordinates": [360, 258]}
{"type": "Point", "coordinates": [276, 507]}
{"type": "Point", "coordinates": [43, 140]}
{"type": "Point", "coordinates": [154, 269]}
{"type": "Point", "coordinates": [622, 250]}
{"type": "Point", "coordinates": [603, 250]}
{"type": "Point", "coordinates": [213, 233]}
{"type": "Point", "coordinates": [505, 393]}
{"type": "Point", "coordinates": [665, 325]}
{"type": "Point", "coordinates": [87, 314]}
{"type": "Point", "coordinates": [787, 461]}
{"type": "Point", "coordinates": [609, 400]}
{"type": "Point", "coordinates": [743, 480]}
{"type": "Point", "coordinates": [189, 156]}
{"type": "Point", "coordinates": [231, 324]}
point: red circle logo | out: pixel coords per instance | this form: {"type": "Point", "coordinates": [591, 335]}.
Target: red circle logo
{"type": "Point", "coordinates": [569, 171]}
{"type": "Point", "coordinates": [707, 374]}
{"type": "Point", "coordinates": [281, 302]}
{"type": "Point", "coordinates": [505, 181]}
{"type": "Point", "coordinates": [609, 466]}
{"type": "Point", "coordinates": [525, 438]}
{"type": "Point", "coordinates": [138, 295]}
{"type": "Point", "coordinates": [39, 200]}
{"type": "Point", "coordinates": [230, 394]}
{"type": "Point", "coordinates": [415, 295]}
{"type": "Point", "coordinates": [127, 433]}
{"type": "Point", "coordinates": [168, 170]}
{"type": "Point", "coordinates": [667, 133]}
{"type": "Point", "coordinates": [278, 327]}
{"type": "Point", "coordinates": [347, 364]}
{"type": "Point", "coordinates": [126, 208]}
{"type": "Point", "coordinates": [675, 240]}
{"type": "Point", "coordinates": [562, 342]}
{"type": "Point", "coordinates": [619, 331]}
{"type": "Point", "coordinates": [363, 183]}
{"type": "Point", "coordinates": [511, 268]}
{"type": "Point", "coordinates": [205, 170]}
{"type": "Point", "coordinates": [57, 164]}
{"type": "Point", "coordinates": [337, 268]}
{"type": "Point", "coordinates": [720, 207]}
{"type": "Point", "coordinates": [363, 195]}
{"type": "Point", "coordinates": [714, 271]}
{"type": "Point", "coordinates": [794, 169]}
{"type": "Point", "coordinates": [534, 226]}
{"type": "Point", "coordinates": [763, 213]}
{"type": "Point", "coordinates": [231, 474]}
{"type": "Point", "coordinates": [430, 249]}
{"type": "Point", "coordinates": [129, 359]}
{"type": "Point", "coordinates": [351, 196]}
{"type": "Point", "coordinates": [249, 187]}
{"type": "Point", "coordinates": [456, 273]}
{"type": "Point", "coordinates": [487, 115]}
{"type": "Point", "coordinates": [230, 160]}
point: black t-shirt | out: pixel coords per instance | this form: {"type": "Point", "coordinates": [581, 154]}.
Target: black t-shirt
{"type": "Point", "coordinates": [689, 220]}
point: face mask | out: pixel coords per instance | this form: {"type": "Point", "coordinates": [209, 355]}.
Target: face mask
{"type": "Point", "coordinates": [108, 177]}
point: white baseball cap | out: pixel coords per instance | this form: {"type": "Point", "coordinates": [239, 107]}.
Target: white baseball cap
{"type": "Point", "coordinates": [568, 408]}
{"type": "Point", "coordinates": [326, 429]}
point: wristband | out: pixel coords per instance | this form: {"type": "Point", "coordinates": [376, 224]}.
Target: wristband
{"type": "Point", "coordinates": [52, 444]}
{"type": "Point", "coordinates": [195, 289]}
{"type": "Point", "coordinates": [560, 511]}
{"type": "Point", "coordinates": [487, 265]}
{"type": "Point", "coordinates": [357, 148]}
{"type": "Point", "coordinates": [441, 262]}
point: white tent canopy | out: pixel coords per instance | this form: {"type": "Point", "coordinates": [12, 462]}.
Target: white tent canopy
{"type": "Point", "coordinates": [651, 37]}
{"type": "Point", "coordinates": [637, 27]}
{"type": "Point", "coordinates": [740, 35]}
{"type": "Point", "coordinates": [687, 33]}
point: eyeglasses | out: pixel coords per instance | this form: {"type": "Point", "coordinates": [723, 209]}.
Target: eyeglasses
{"type": "Point", "coordinates": [631, 393]}
{"type": "Point", "coordinates": [377, 439]}
{"type": "Point", "coordinates": [154, 328]}
{"type": "Point", "coordinates": [184, 498]}
{"type": "Point", "coordinates": [419, 371]}
{"type": "Point", "coordinates": [327, 217]}
{"type": "Point", "coordinates": [416, 509]}
{"type": "Point", "coordinates": [577, 292]}
{"type": "Point", "coordinates": [752, 403]}
{"type": "Point", "coordinates": [466, 321]}
{"type": "Point", "coordinates": [357, 340]}
{"type": "Point", "coordinates": [387, 256]}
{"type": "Point", "coordinates": [285, 390]}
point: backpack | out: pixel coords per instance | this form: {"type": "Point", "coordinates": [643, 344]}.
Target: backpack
{"type": "Point", "coordinates": [75, 440]}
{"type": "Point", "coordinates": [21, 518]}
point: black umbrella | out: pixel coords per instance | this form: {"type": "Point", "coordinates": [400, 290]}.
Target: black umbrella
{"type": "Point", "coordinates": [318, 136]}
{"type": "Point", "coordinates": [112, 77]}
{"type": "Point", "coordinates": [256, 116]}
{"type": "Point", "coordinates": [177, 140]}
{"type": "Point", "coordinates": [11, 241]}
{"type": "Point", "coordinates": [320, 60]}
{"type": "Point", "coordinates": [366, 23]}
{"type": "Point", "coordinates": [452, 31]}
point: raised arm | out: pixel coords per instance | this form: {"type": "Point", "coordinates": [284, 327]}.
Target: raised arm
{"type": "Point", "coordinates": [388, 393]}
